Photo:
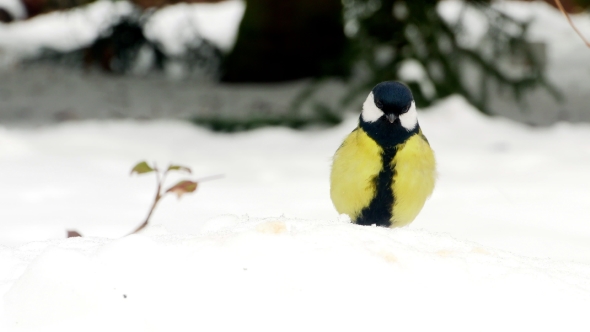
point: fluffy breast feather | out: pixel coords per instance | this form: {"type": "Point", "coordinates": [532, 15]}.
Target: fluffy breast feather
{"type": "Point", "coordinates": [414, 178]}
{"type": "Point", "coordinates": [356, 163]}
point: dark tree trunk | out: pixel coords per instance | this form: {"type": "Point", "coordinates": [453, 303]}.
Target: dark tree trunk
{"type": "Point", "coordinates": [286, 39]}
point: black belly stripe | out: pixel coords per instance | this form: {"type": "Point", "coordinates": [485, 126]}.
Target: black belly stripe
{"type": "Point", "coordinates": [379, 210]}
{"type": "Point", "coordinates": [389, 137]}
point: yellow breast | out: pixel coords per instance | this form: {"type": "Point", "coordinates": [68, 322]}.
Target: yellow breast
{"type": "Point", "coordinates": [356, 163]}
{"type": "Point", "coordinates": [413, 180]}
{"type": "Point", "coordinates": [356, 166]}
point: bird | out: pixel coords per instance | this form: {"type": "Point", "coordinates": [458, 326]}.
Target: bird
{"type": "Point", "coordinates": [385, 169]}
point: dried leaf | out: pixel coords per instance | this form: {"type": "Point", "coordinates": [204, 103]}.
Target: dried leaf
{"type": "Point", "coordinates": [179, 168]}
{"type": "Point", "coordinates": [183, 187]}
{"type": "Point", "coordinates": [73, 233]}
{"type": "Point", "coordinates": [142, 168]}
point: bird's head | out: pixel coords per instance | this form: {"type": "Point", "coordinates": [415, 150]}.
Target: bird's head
{"type": "Point", "coordinates": [391, 102]}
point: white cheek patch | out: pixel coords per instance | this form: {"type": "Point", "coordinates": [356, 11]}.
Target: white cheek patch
{"type": "Point", "coordinates": [371, 112]}
{"type": "Point", "coordinates": [409, 120]}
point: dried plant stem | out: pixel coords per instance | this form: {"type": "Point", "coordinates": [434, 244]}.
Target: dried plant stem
{"type": "Point", "coordinates": [156, 199]}
{"type": "Point", "coordinates": [569, 19]}
{"type": "Point", "coordinates": [209, 178]}
{"type": "Point", "coordinates": [181, 188]}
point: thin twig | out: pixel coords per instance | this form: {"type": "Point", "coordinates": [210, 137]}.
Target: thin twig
{"type": "Point", "coordinates": [558, 2]}
{"type": "Point", "coordinates": [210, 177]}
{"type": "Point", "coordinates": [156, 199]}
{"type": "Point", "coordinates": [161, 179]}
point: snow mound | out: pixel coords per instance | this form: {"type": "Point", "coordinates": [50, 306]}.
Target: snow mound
{"type": "Point", "coordinates": [177, 26]}
{"type": "Point", "coordinates": [292, 275]}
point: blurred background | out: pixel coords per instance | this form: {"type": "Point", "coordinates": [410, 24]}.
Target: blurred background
{"type": "Point", "coordinates": [88, 88]}
{"type": "Point", "coordinates": [238, 64]}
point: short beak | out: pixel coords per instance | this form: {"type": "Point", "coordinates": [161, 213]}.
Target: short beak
{"type": "Point", "coordinates": [391, 117]}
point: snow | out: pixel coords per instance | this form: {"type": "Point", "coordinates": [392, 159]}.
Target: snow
{"type": "Point", "coordinates": [547, 25]}
{"type": "Point", "coordinates": [174, 26]}
{"type": "Point", "coordinates": [565, 56]}
{"type": "Point", "coordinates": [15, 8]}
{"type": "Point", "coordinates": [293, 275]}
{"type": "Point", "coordinates": [501, 245]}
{"type": "Point", "coordinates": [62, 30]}
{"type": "Point", "coordinates": [180, 26]}
{"type": "Point", "coordinates": [177, 26]}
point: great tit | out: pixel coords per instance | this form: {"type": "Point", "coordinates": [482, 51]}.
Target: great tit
{"type": "Point", "coordinates": [385, 169]}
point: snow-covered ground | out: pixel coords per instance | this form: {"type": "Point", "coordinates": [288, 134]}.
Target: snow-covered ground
{"type": "Point", "coordinates": [503, 243]}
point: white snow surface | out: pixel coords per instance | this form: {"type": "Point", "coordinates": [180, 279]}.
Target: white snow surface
{"type": "Point", "coordinates": [502, 245]}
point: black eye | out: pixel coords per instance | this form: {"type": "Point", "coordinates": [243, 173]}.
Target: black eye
{"type": "Point", "coordinates": [379, 104]}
